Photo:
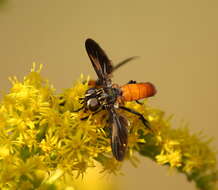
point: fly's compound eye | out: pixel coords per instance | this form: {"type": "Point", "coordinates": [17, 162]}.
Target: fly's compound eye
{"type": "Point", "coordinates": [93, 104]}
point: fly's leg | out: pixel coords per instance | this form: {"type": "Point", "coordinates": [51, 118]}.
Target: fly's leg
{"type": "Point", "coordinates": [139, 102]}
{"type": "Point", "coordinates": [79, 109]}
{"type": "Point", "coordinates": [83, 107]}
{"type": "Point", "coordinates": [141, 117]}
{"type": "Point", "coordinates": [132, 82]}
{"type": "Point", "coordinates": [81, 100]}
{"type": "Point", "coordinates": [84, 118]}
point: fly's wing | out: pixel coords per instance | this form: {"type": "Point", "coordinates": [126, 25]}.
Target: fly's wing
{"type": "Point", "coordinates": [119, 138]}
{"type": "Point", "coordinates": [99, 59]}
{"type": "Point", "coordinates": [120, 64]}
{"type": "Point", "coordinates": [97, 83]}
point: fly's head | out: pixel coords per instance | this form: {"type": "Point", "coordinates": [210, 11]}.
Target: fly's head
{"type": "Point", "coordinates": [90, 100]}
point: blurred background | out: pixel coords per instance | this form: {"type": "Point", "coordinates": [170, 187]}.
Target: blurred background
{"type": "Point", "coordinates": [177, 42]}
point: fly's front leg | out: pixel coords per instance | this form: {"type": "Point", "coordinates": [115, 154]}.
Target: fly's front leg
{"type": "Point", "coordinates": [84, 118]}
{"type": "Point", "coordinates": [79, 109]}
{"type": "Point", "coordinates": [83, 107]}
{"type": "Point", "coordinates": [81, 100]}
{"type": "Point", "coordinates": [141, 117]}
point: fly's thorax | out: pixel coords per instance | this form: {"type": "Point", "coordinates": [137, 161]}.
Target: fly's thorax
{"type": "Point", "coordinates": [112, 94]}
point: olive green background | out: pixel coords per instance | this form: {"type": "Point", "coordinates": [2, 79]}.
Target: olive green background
{"type": "Point", "coordinates": [177, 42]}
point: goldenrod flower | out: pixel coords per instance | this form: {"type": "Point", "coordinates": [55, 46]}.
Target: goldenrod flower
{"type": "Point", "coordinates": [45, 145]}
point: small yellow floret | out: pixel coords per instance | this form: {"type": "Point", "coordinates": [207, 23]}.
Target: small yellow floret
{"type": "Point", "coordinates": [44, 142]}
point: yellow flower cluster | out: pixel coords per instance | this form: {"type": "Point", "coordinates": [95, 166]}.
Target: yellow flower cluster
{"type": "Point", "coordinates": [45, 145]}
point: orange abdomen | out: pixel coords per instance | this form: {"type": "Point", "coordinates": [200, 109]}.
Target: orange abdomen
{"type": "Point", "coordinates": [131, 92]}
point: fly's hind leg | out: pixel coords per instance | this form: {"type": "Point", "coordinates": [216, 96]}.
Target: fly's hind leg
{"type": "Point", "coordinates": [139, 102]}
{"type": "Point", "coordinates": [141, 117]}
